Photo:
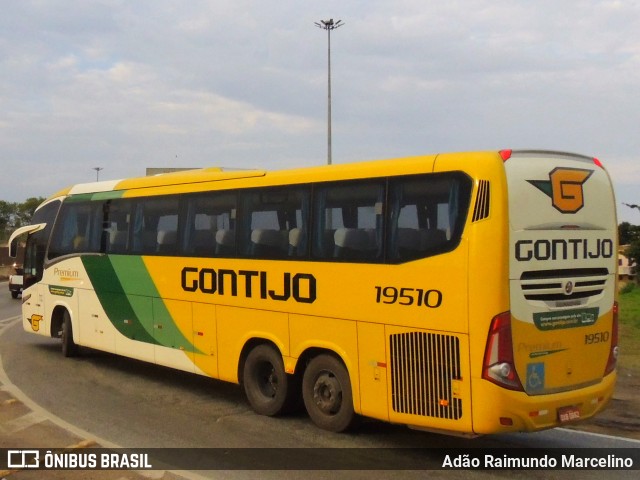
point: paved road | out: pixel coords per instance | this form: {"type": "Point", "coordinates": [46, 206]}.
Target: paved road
{"type": "Point", "coordinates": [121, 402]}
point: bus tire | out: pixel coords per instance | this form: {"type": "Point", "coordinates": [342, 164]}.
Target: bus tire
{"type": "Point", "coordinates": [268, 388]}
{"type": "Point", "coordinates": [326, 391]}
{"type": "Point", "coordinates": [69, 347]}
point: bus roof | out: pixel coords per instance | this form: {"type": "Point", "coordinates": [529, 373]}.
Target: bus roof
{"type": "Point", "coordinates": [166, 179]}
{"type": "Point", "coordinates": [296, 175]}
{"type": "Point", "coordinates": [203, 179]}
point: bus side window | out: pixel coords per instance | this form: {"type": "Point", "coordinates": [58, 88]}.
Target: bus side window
{"type": "Point", "coordinates": [275, 222]}
{"type": "Point", "coordinates": [76, 230]}
{"type": "Point", "coordinates": [225, 243]}
{"type": "Point", "coordinates": [155, 229]}
{"type": "Point", "coordinates": [210, 225]}
{"type": "Point", "coordinates": [426, 215]}
{"type": "Point", "coordinates": [35, 250]}
{"type": "Point", "coordinates": [117, 215]}
{"type": "Point", "coordinates": [349, 221]}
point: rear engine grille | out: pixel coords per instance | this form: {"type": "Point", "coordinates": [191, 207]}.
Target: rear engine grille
{"type": "Point", "coordinates": [563, 284]}
{"type": "Point", "coordinates": [423, 368]}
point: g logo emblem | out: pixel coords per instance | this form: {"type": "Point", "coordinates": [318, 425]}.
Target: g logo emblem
{"type": "Point", "coordinates": [568, 288]}
{"type": "Point", "coordinates": [35, 320]}
{"type": "Point", "coordinates": [564, 188]}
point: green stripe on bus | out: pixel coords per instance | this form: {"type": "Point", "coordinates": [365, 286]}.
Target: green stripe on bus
{"type": "Point", "coordinates": [114, 301]}
{"type": "Point", "coordinates": [96, 196]}
{"type": "Point", "coordinates": [132, 313]}
{"type": "Point", "coordinates": [81, 197]}
{"type": "Point", "coordinates": [135, 279]}
{"type": "Point", "coordinates": [108, 195]}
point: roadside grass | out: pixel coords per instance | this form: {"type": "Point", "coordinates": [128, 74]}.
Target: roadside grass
{"type": "Point", "coordinates": [629, 328]}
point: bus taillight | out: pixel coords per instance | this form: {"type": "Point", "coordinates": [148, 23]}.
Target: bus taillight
{"type": "Point", "coordinates": [499, 366]}
{"type": "Point", "coordinates": [505, 154]}
{"type": "Point", "coordinates": [613, 351]}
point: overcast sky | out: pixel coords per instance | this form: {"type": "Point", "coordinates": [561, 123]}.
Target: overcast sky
{"type": "Point", "coordinates": [126, 85]}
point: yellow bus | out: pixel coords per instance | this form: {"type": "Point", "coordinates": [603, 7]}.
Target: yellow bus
{"type": "Point", "coordinates": [466, 293]}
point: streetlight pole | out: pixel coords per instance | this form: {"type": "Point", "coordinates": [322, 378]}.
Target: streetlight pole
{"type": "Point", "coordinates": [97, 169]}
{"type": "Point", "coordinates": [329, 25]}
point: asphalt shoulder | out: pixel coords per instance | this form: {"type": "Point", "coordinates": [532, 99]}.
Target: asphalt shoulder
{"type": "Point", "coordinates": [23, 428]}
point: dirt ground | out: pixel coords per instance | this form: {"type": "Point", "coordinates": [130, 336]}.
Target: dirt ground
{"type": "Point", "coordinates": [622, 415]}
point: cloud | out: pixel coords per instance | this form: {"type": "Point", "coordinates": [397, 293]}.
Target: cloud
{"type": "Point", "coordinates": [126, 85]}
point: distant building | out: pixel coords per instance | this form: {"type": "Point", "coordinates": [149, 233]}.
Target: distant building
{"type": "Point", "coordinates": [625, 266]}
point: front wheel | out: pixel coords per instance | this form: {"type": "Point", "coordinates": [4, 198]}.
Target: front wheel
{"type": "Point", "coordinates": [269, 389]}
{"type": "Point", "coordinates": [69, 347]}
{"type": "Point", "coordinates": [326, 390]}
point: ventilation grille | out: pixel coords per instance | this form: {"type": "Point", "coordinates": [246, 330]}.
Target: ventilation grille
{"type": "Point", "coordinates": [423, 368]}
{"type": "Point", "coordinates": [481, 209]}
{"type": "Point", "coordinates": [565, 284]}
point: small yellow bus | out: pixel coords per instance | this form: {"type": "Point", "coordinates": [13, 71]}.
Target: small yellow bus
{"type": "Point", "coordinates": [467, 293]}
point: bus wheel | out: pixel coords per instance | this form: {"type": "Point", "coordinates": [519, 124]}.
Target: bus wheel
{"type": "Point", "coordinates": [268, 388]}
{"type": "Point", "coordinates": [69, 347]}
{"type": "Point", "coordinates": [326, 390]}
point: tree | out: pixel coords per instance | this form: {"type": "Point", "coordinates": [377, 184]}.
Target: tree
{"type": "Point", "coordinates": [630, 235]}
{"type": "Point", "coordinates": [6, 212]}
{"type": "Point", "coordinates": [632, 252]}
{"type": "Point", "coordinates": [15, 215]}
{"type": "Point", "coordinates": [627, 233]}
{"type": "Point", "coordinates": [24, 211]}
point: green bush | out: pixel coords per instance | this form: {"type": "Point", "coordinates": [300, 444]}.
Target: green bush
{"type": "Point", "coordinates": [628, 288]}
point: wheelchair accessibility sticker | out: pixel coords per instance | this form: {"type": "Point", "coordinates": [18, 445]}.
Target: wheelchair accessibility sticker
{"type": "Point", "coordinates": [535, 377]}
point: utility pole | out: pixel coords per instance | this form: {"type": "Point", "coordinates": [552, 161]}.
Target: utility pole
{"type": "Point", "coordinates": [329, 25]}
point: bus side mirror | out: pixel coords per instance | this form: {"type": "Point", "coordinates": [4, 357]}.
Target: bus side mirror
{"type": "Point", "coordinates": [13, 248]}
{"type": "Point", "coordinates": [13, 240]}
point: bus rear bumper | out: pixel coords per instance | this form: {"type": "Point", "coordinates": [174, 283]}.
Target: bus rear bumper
{"type": "Point", "coordinates": [510, 411]}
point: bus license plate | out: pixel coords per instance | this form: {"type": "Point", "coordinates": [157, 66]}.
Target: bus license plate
{"type": "Point", "coordinates": [568, 414]}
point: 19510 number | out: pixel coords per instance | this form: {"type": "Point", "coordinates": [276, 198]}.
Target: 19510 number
{"type": "Point", "coordinates": [600, 337]}
{"type": "Point", "coordinates": [409, 296]}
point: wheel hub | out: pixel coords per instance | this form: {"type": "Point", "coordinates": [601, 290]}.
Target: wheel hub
{"type": "Point", "coordinates": [268, 380]}
{"type": "Point", "coordinates": [327, 393]}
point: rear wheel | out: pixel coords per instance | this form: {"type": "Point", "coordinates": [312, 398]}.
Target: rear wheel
{"type": "Point", "coordinates": [14, 294]}
{"type": "Point", "coordinates": [326, 390]}
{"type": "Point", "coordinates": [269, 389]}
{"type": "Point", "coordinates": [69, 347]}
